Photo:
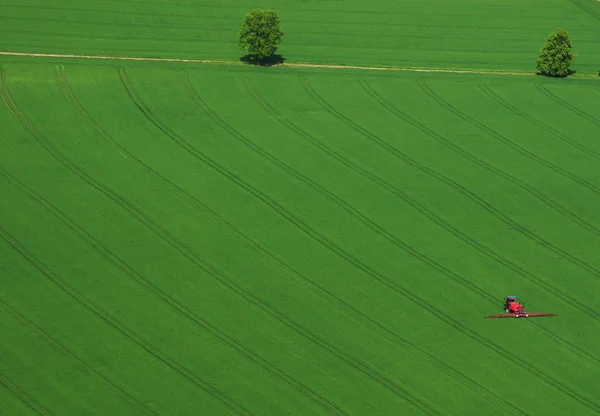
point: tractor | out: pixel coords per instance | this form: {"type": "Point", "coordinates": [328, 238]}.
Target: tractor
{"type": "Point", "coordinates": [514, 309]}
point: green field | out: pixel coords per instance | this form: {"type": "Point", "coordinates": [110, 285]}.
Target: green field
{"type": "Point", "coordinates": [223, 239]}
{"type": "Point", "coordinates": [480, 34]}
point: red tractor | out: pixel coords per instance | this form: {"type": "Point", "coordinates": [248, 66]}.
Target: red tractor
{"type": "Point", "coordinates": [515, 309]}
{"type": "Point", "coordinates": [512, 306]}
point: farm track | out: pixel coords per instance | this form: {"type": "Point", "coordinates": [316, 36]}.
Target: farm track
{"type": "Point", "coordinates": [503, 139]}
{"type": "Point", "coordinates": [459, 188]}
{"type": "Point", "coordinates": [368, 270]}
{"type": "Point", "coordinates": [288, 65]}
{"type": "Point", "coordinates": [364, 368]}
{"type": "Point", "coordinates": [54, 343]}
{"type": "Point", "coordinates": [64, 286]}
{"type": "Point", "coordinates": [420, 208]}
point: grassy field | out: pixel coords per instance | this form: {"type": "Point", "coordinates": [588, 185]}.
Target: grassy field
{"type": "Point", "coordinates": [222, 239]}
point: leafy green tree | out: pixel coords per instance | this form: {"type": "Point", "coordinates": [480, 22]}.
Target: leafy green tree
{"type": "Point", "coordinates": [261, 34]}
{"type": "Point", "coordinates": [556, 55]}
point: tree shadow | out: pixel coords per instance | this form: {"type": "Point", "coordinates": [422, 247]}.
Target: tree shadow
{"type": "Point", "coordinates": [252, 59]}
{"type": "Point", "coordinates": [571, 72]}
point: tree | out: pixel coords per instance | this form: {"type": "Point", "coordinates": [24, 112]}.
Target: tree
{"type": "Point", "coordinates": [556, 55]}
{"type": "Point", "coordinates": [261, 34]}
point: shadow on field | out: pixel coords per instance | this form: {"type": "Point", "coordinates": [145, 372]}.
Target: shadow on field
{"type": "Point", "coordinates": [252, 59]}
{"type": "Point", "coordinates": [571, 72]}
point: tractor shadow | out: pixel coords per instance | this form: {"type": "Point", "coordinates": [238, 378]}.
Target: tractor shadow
{"type": "Point", "coordinates": [272, 60]}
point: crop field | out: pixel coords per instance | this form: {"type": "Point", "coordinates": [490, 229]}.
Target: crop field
{"type": "Point", "coordinates": [214, 239]}
{"type": "Point", "coordinates": [479, 34]}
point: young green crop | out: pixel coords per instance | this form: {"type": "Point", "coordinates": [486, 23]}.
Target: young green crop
{"type": "Point", "coordinates": [234, 245]}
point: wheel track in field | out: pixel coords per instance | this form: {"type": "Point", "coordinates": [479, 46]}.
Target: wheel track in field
{"type": "Point", "coordinates": [54, 343]}
{"type": "Point", "coordinates": [384, 331]}
{"type": "Point", "coordinates": [329, 195]}
{"type": "Point", "coordinates": [488, 207]}
{"type": "Point", "coordinates": [473, 335]}
{"type": "Point", "coordinates": [184, 250]}
{"type": "Point", "coordinates": [169, 300]}
{"type": "Point", "coordinates": [419, 207]}
{"type": "Point", "coordinates": [362, 367]}
{"type": "Point", "coordinates": [108, 319]}
{"type": "Point", "coordinates": [494, 96]}
{"type": "Point", "coordinates": [98, 311]}
{"type": "Point", "coordinates": [23, 396]}
{"type": "Point", "coordinates": [327, 295]}
{"type": "Point", "coordinates": [411, 297]}
{"type": "Point", "coordinates": [489, 253]}
{"type": "Point", "coordinates": [149, 286]}
{"type": "Point", "coordinates": [173, 303]}
{"type": "Point", "coordinates": [459, 188]}
{"type": "Point", "coordinates": [330, 296]}
{"type": "Point", "coordinates": [501, 138]}
{"type": "Point", "coordinates": [548, 201]}
{"type": "Point", "coordinates": [448, 143]}
{"type": "Point", "coordinates": [465, 154]}
{"type": "Point", "coordinates": [568, 106]}
{"type": "Point", "coordinates": [584, 8]}
{"type": "Point", "coordinates": [542, 197]}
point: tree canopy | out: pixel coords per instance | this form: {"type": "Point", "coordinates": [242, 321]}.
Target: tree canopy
{"type": "Point", "coordinates": [261, 34]}
{"type": "Point", "coordinates": [556, 55]}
